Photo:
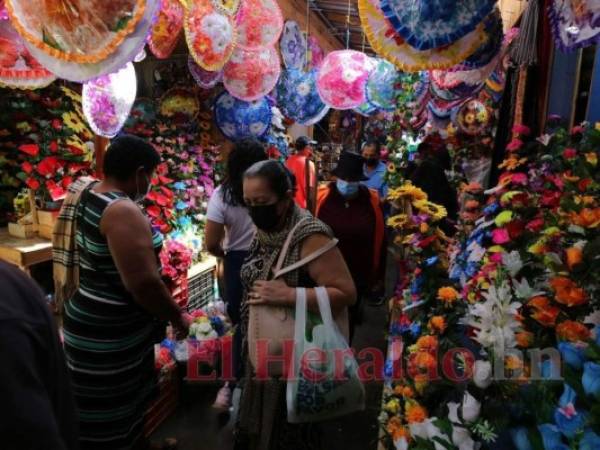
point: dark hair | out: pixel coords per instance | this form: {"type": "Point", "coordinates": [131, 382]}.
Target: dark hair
{"type": "Point", "coordinates": [372, 143]}
{"type": "Point", "coordinates": [126, 154]}
{"type": "Point", "coordinates": [245, 153]}
{"type": "Point", "coordinates": [279, 178]}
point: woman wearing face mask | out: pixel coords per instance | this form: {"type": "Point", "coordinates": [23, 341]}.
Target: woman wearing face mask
{"type": "Point", "coordinates": [354, 213]}
{"type": "Point", "coordinates": [110, 324]}
{"type": "Point", "coordinates": [268, 194]}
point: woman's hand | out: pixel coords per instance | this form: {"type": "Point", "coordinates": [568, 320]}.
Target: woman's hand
{"type": "Point", "coordinates": [275, 293]}
{"type": "Point", "coordinates": [182, 326]}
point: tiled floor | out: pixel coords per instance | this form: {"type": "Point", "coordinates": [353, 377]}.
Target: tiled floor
{"type": "Point", "coordinates": [198, 427]}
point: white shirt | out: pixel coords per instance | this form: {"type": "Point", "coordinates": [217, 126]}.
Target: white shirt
{"type": "Point", "coordinates": [239, 228]}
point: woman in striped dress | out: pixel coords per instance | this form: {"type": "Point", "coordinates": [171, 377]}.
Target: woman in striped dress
{"type": "Point", "coordinates": [110, 324]}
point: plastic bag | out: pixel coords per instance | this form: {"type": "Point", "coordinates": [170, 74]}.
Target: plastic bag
{"type": "Point", "coordinates": [478, 170]}
{"type": "Point", "coordinates": [327, 386]}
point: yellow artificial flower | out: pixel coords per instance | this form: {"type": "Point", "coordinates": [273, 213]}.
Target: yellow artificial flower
{"type": "Point", "coordinates": [71, 94]}
{"type": "Point", "coordinates": [393, 406]}
{"type": "Point", "coordinates": [391, 168]}
{"type": "Point", "coordinates": [407, 190]}
{"type": "Point", "coordinates": [398, 221]}
{"type": "Point", "coordinates": [74, 122]}
{"type": "Point", "coordinates": [511, 163]}
{"type": "Point", "coordinates": [592, 158]}
{"type": "Point", "coordinates": [437, 212]}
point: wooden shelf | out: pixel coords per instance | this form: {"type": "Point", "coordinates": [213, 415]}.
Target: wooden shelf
{"type": "Point", "coordinates": [24, 252]}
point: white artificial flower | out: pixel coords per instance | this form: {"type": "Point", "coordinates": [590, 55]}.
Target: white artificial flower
{"type": "Point", "coordinates": [495, 319]}
{"type": "Point", "coordinates": [482, 374]}
{"type": "Point", "coordinates": [524, 291]}
{"type": "Point", "coordinates": [544, 139]}
{"type": "Point", "coordinates": [477, 253]}
{"type": "Point", "coordinates": [428, 431]}
{"type": "Point", "coordinates": [461, 437]}
{"type": "Point", "coordinates": [513, 263]}
{"type": "Point", "coordinates": [470, 408]}
{"type": "Point", "coordinates": [419, 430]}
{"type": "Point", "coordinates": [401, 444]}
{"type": "Point", "coordinates": [453, 412]}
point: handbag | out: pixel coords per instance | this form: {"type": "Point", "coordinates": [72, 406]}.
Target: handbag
{"type": "Point", "coordinates": [271, 328]}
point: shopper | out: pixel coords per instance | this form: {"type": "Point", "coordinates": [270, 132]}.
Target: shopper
{"type": "Point", "coordinates": [228, 234]}
{"type": "Point", "coordinates": [110, 324]}
{"type": "Point", "coordinates": [37, 410]}
{"type": "Point", "coordinates": [355, 215]}
{"type": "Point", "coordinates": [375, 169]}
{"type": "Point", "coordinates": [268, 193]}
{"type": "Point", "coordinates": [303, 169]}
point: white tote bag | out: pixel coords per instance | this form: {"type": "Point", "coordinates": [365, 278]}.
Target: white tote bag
{"type": "Point", "coordinates": [323, 381]}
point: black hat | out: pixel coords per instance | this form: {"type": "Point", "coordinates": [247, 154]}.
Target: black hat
{"type": "Point", "coordinates": [350, 167]}
{"type": "Point", "coordinates": [303, 141]}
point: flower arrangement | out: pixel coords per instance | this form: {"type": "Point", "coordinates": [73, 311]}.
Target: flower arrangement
{"type": "Point", "coordinates": [175, 259]}
{"type": "Point", "coordinates": [45, 143]}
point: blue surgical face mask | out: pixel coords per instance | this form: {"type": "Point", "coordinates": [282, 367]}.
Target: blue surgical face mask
{"type": "Point", "coordinates": [346, 188]}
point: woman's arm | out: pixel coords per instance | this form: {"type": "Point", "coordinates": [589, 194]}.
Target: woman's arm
{"type": "Point", "coordinates": [130, 242]}
{"type": "Point", "coordinates": [329, 270]}
{"type": "Point", "coordinates": [213, 237]}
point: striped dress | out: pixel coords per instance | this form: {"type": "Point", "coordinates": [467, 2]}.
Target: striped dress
{"type": "Point", "coordinates": [108, 339]}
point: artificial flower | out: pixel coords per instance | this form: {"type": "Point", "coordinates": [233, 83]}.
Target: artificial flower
{"type": "Point", "coordinates": [572, 331]}
{"type": "Point", "coordinates": [482, 374]}
{"type": "Point", "coordinates": [567, 292]}
{"type": "Point", "coordinates": [592, 158]}
{"type": "Point", "coordinates": [573, 354]}
{"type": "Point", "coordinates": [393, 406]}
{"type": "Point", "coordinates": [574, 256]}
{"type": "Point", "coordinates": [590, 441]}
{"type": "Point", "coordinates": [437, 212]}
{"type": "Point", "coordinates": [511, 163]}
{"type": "Point", "coordinates": [30, 149]}
{"type": "Point", "coordinates": [415, 413]}
{"type": "Point", "coordinates": [543, 312]}
{"type": "Point", "coordinates": [524, 339]}
{"type": "Point", "coordinates": [514, 145]}
{"type": "Point", "coordinates": [407, 190]}
{"type": "Point", "coordinates": [568, 420]}
{"type": "Point", "coordinates": [471, 408]}
{"type": "Point", "coordinates": [520, 438]}
{"type": "Point", "coordinates": [447, 294]}
{"type": "Point", "coordinates": [398, 221]}
{"type": "Point", "coordinates": [427, 343]}
{"type": "Point", "coordinates": [570, 153]}
{"type": "Point", "coordinates": [437, 324]}
{"type": "Point", "coordinates": [587, 218]}
{"type": "Point", "coordinates": [500, 236]}
{"type": "Point", "coordinates": [522, 130]}
{"type": "Point", "coordinates": [397, 430]}
{"type": "Point", "coordinates": [591, 379]}
{"type": "Point", "coordinates": [74, 122]}
{"type": "Point", "coordinates": [404, 391]}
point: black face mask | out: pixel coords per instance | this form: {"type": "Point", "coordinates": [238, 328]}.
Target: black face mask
{"type": "Point", "coordinates": [265, 217]}
{"type": "Point", "coordinates": [372, 162]}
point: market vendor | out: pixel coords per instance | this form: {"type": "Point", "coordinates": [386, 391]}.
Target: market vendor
{"type": "Point", "coordinates": [355, 215]}
{"type": "Point", "coordinates": [303, 169]}
{"type": "Point", "coordinates": [374, 169]}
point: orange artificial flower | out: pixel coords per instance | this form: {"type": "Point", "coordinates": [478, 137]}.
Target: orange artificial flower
{"type": "Point", "coordinates": [567, 292]}
{"type": "Point", "coordinates": [511, 163]}
{"type": "Point", "coordinates": [396, 429]}
{"type": "Point", "coordinates": [423, 360]}
{"type": "Point", "coordinates": [427, 343]}
{"type": "Point", "coordinates": [574, 257]}
{"type": "Point", "coordinates": [447, 294]}
{"type": "Point", "coordinates": [587, 218]}
{"type": "Point", "coordinates": [415, 413]}
{"type": "Point", "coordinates": [471, 204]}
{"type": "Point", "coordinates": [437, 324]}
{"type": "Point", "coordinates": [573, 331]}
{"type": "Point", "coordinates": [513, 362]}
{"type": "Point", "coordinates": [544, 313]}
{"type": "Point", "coordinates": [524, 339]}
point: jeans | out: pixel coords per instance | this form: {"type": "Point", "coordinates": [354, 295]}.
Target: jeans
{"type": "Point", "coordinates": [233, 293]}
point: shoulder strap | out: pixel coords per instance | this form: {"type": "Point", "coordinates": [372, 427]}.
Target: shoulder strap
{"type": "Point", "coordinates": [306, 260]}
{"type": "Point", "coordinates": [286, 246]}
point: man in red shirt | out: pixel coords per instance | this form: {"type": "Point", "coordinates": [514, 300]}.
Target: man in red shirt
{"type": "Point", "coordinates": [304, 171]}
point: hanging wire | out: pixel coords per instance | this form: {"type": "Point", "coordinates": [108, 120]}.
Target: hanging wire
{"type": "Point", "coordinates": [348, 25]}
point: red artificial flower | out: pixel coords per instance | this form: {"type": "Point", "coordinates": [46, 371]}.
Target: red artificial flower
{"type": "Point", "coordinates": [570, 153]}
{"type": "Point", "coordinates": [27, 167]}
{"type": "Point", "coordinates": [49, 166]}
{"type": "Point", "coordinates": [514, 145]}
{"type": "Point", "coordinates": [577, 130]}
{"type": "Point", "coordinates": [57, 124]}
{"type": "Point", "coordinates": [550, 199]}
{"type": "Point", "coordinates": [32, 183]}
{"type": "Point", "coordinates": [535, 225]}
{"type": "Point", "coordinates": [519, 178]}
{"type": "Point", "coordinates": [584, 184]}
{"type": "Point", "coordinates": [66, 182]}
{"type": "Point", "coordinates": [75, 151]}
{"type": "Point", "coordinates": [75, 168]}
{"type": "Point", "coordinates": [30, 149]}
{"type": "Point", "coordinates": [153, 211]}
{"type": "Point", "coordinates": [56, 191]}
{"type": "Point", "coordinates": [515, 228]}
{"type": "Point", "coordinates": [53, 147]}
{"type": "Point", "coordinates": [522, 130]}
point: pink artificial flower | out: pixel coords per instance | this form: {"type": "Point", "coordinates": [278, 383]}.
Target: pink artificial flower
{"type": "Point", "coordinates": [500, 236]}
{"type": "Point", "coordinates": [514, 145]}
{"type": "Point", "coordinates": [496, 257]}
{"type": "Point", "coordinates": [522, 130]}
{"type": "Point", "coordinates": [519, 178]}
{"type": "Point", "coordinates": [570, 153]}
{"type": "Point", "coordinates": [577, 130]}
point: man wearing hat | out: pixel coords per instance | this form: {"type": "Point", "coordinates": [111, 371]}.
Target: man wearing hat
{"type": "Point", "coordinates": [354, 213]}
{"type": "Point", "coordinates": [303, 170]}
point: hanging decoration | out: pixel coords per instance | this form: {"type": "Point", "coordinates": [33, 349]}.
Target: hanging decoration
{"type": "Point", "coordinates": [259, 23]}
{"type": "Point", "coordinates": [165, 32]}
{"type": "Point", "coordinates": [238, 119]}
{"type": "Point", "coordinates": [429, 24]}
{"type": "Point", "coordinates": [389, 45]}
{"type": "Point", "coordinates": [367, 109]}
{"type": "Point", "coordinates": [252, 74]}
{"type": "Point", "coordinates": [342, 79]}
{"type": "Point", "coordinates": [3, 11]}
{"type": "Point", "coordinates": [107, 101]}
{"type": "Point", "coordinates": [180, 105]}
{"type": "Point", "coordinates": [84, 32]}
{"type": "Point", "coordinates": [205, 78]}
{"type": "Point", "coordinates": [491, 46]}
{"type": "Point", "coordinates": [316, 55]}
{"type": "Point", "coordinates": [293, 46]}
{"type": "Point", "coordinates": [210, 35]}
{"type": "Point", "coordinates": [131, 46]}
{"type": "Point", "coordinates": [297, 97]}
{"type": "Point", "coordinates": [575, 23]}
{"type": "Point", "coordinates": [18, 69]}
{"type": "Point", "coordinates": [381, 86]}
{"type": "Point", "coordinates": [142, 113]}
{"type": "Point", "coordinates": [472, 118]}
{"type": "Point", "coordinates": [228, 7]}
